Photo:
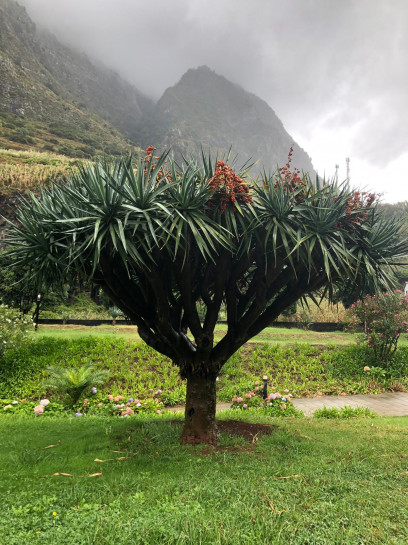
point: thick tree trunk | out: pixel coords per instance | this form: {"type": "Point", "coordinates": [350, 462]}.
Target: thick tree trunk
{"type": "Point", "coordinates": [199, 423]}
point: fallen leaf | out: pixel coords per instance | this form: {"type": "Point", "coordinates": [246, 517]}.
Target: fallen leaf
{"type": "Point", "coordinates": [272, 508]}
{"type": "Point", "coordinates": [64, 474]}
{"type": "Point", "coordinates": [51, 446]}
{"type": "Point", "coordinates": [102, 461]}
{"type": "Point", "coordinates": [95, 475]}
{"type": "Point", "coordinates": [123, 458]}
{"type": "Point", "coordinates": [289, 477]}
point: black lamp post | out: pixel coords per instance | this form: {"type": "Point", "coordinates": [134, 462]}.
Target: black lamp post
{"type": "Point", "coordinates": [37, 311]}
{"type": "Point", "coordinates": [265, 387]}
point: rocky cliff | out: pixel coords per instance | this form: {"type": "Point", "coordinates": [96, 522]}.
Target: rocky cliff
{"type": "Point", "coordinates": [205, 109]}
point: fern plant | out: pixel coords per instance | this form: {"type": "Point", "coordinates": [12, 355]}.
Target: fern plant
{"type": "Point", "coordinates": [72, 383]}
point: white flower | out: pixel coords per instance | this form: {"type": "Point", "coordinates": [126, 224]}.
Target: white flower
{"type": "Point", "coordinates": [44, 402]}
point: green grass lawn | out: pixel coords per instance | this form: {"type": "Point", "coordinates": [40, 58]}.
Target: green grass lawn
{"type": "Point", "coordinates": [308, 482]}
{"type": "Point", "coordinates": [270, 335]}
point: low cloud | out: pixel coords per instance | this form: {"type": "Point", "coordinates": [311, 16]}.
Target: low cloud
{"type": "Point", "coordinates": [313, 61]}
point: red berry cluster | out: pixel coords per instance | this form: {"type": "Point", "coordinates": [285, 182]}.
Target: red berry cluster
{"type": "Point", "coordinates": [227, 188]}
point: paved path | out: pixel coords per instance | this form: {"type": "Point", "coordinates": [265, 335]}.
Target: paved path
{"type": "Point", "coordinates": [386, 404]}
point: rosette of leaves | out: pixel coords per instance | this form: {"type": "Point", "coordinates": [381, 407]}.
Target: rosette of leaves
{"type": "Point", "coordinates": [70, 384]}
{"type": "Point", "coordinates": [114, 312]}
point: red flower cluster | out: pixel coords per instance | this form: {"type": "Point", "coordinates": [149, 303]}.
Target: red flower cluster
{"type": "Point", "coordinates": [227, 188]}
{"type": "Point", "coordinates": [288, 178]}
{"type": "Point", "coordinates": [357, 206]}
{"type": "Point", "coordinates": [148, 159]}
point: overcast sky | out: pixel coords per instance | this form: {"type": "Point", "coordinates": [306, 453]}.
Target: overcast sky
{"type": "Point", "coordinates": [334, 71]}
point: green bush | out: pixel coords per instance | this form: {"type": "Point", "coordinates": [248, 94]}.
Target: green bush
{"type": "Point", "coordinates": [13, 328]}
{"type": "Point", "coordinates": [384, 317]}
{"type": "Point", "coordinates": [344, 413]}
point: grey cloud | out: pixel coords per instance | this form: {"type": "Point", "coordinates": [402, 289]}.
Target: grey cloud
{"type": "Point", "coordinates": [313, 61]}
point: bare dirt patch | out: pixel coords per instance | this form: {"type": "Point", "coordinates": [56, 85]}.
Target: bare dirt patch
{"type": "Point", "coordinates": [234, 428]}
{"type": "Point", "coordinates": [249, 431]}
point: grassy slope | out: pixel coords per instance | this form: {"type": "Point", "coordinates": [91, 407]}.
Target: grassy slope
{"type": "Point", "coordinates": [309, 482]}
{"type": "Point", "coordinates": [28, 170]}
{"type": "Point", "coordinates": [304, 369]}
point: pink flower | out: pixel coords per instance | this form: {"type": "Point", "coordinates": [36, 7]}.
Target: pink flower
{"type": "Point", "coordinates": [100, 404]}
{"type": "Point", "coordinates": [256, 382]}
{"type": "Point", "coordinates": [158, 412]}
{"type": "Point", "coordinates": [245, 406]}
{"type": "Point", "coordinates": [110, 397]}
{"type": "Point", "coordinates": [239, 399]}
{"type": "Point", "coordinates": [39, 409]}
{"type": "Point", "coordinates": [118, 398]}
{"type": "Point", "coordinates": [248, 396]}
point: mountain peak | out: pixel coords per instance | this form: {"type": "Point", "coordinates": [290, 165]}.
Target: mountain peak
{"type": "Point", "coordinates": [204, 109]}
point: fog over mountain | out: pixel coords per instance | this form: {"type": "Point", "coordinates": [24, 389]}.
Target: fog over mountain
{"type": "Point", "coordinates": [334, 72]}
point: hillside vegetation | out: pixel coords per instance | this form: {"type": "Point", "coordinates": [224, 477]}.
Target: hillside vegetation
{"type": "Point", "coordinates": [54, 99]}
{"type": "Point", "coordinates": [28, 170]}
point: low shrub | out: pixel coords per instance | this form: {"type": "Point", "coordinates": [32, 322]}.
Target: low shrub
{"type": "Point", "coordinates": [13, 328]}
{"type": "Point", "coordinates": [384, 317]}
{"type": "Point", "coordinates": [103, 406]}
{"type": "Point", "coordinates": [275, 404]}
{"type": "Point", "coordinates": [344, 412]}
{"type": "Point", "coordinates": [31, 408]}
{"type": "Point", "coordinates": [72, 383]}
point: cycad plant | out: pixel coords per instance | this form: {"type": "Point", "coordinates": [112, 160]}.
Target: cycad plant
{"type": "Point", "coordinates": [70, 384]}
{"type": "Point", "coordinates": [114, 312]}
{"type": "Point", "coordinates": [163, 241]}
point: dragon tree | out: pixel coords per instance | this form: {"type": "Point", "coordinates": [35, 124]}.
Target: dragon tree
{"type": "Point", "coordinates": [165, 241]}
